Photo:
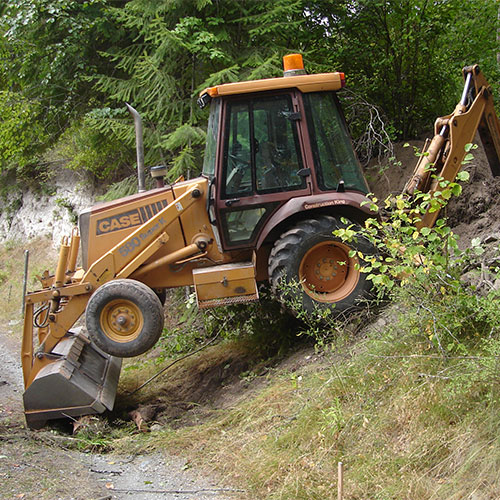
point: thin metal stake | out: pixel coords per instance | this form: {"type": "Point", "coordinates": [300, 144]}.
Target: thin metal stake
{"type": "Point", "coordinates": [25, 278]}
{"type": "Point", "coordinates": [340, 484]}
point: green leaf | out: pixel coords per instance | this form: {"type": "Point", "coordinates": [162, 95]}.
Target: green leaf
{"type": "Point", "coordinates": [469, 146]}
{"type": "Point", "coordinates": [446, 193]}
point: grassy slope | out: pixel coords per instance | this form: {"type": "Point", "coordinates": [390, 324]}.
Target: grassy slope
{"type": "Point", "coordinates": [41, 256]}
{"type": "Point", "coordinates": [407, 423]}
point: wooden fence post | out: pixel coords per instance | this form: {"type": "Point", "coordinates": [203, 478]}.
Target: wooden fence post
{"type": "Point", "coordinates": [340, 481]}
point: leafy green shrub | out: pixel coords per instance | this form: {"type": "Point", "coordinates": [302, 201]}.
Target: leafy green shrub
{"type": "Point", "coordinates": [22, 134]}
{"type": "Point", "coordinates": [328, 328]}
{"type": "Point", "coordinates": [87, 149]}
{"type": "Point", "coordinates": [421, 267]}
{"type": "Point", "coordinates": [263, 324]}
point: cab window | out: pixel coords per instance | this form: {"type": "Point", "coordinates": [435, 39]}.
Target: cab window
{"type": "Point", "coordinates": [261, 153]}
{"type": "Point", "coordinates": [331, 145]}
{"type": "Point", "coordinates": [211, 144]}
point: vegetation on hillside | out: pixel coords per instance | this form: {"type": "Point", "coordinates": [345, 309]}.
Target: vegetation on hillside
{"type": "Point", "coordinates": [406, 395]}
{"type": "Point", "coordinates": [411, 405]}
{"type": "Point", "coordinates": [69, 66]}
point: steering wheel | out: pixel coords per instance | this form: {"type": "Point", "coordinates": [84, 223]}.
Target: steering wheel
{"type": "Point", "coordinates": [238, 169]}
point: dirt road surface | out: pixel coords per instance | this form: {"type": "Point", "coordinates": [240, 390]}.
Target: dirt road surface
{"type": "Point", "coordinates": [39, 465]}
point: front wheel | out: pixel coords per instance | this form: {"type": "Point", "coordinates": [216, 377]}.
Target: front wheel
{"type": "Point", "coordinates": [310, 268]}
{"type": "Point", "coordinates": [124, 318]}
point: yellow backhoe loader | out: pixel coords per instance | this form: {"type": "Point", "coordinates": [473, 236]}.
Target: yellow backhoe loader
{"type": "Point", "coordinates": [279, 173]}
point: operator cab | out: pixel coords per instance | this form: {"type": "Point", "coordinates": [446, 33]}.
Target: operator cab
{"type": "Point", "coordinates": [271, 141]}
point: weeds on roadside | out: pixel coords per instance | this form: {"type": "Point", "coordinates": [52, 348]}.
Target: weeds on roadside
{"type": "Point", "coordinates": [328, 328]}
{"type": "Point", "coordinates": [421, 267]}
{"type": "Point", "coordinates": [265, 324]}
{"type": "Point", "coordinates": [97, 435]}
{"type": "Point", "coordinates": [262, 323]}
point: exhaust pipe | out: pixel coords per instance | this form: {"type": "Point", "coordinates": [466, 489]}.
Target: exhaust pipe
{"type": "Point", "coordinates": [139, 146]}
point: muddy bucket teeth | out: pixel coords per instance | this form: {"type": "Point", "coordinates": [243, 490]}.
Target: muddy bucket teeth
{"type": "Point", "coordinates": [81, 381]}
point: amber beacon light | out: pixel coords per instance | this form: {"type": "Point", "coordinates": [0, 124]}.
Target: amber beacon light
{"type": "Point", "coordinates": [293, 65]}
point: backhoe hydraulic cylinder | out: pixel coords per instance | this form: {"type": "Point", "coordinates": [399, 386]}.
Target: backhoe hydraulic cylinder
{"type": "Point", "coordinates": [468, 80]}
{"type": "Point", "coordinates": [422, 171]}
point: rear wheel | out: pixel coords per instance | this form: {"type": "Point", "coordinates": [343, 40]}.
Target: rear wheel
{"type": "Point", "coordinates": [124, 318]}
{"type": "Point", "coordinates": [310, 268]}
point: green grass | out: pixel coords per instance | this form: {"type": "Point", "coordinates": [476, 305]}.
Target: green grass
{"type": "Point", "coordinates": [406, 422]}
{"type": "Point", "coordinates": [41, 256]}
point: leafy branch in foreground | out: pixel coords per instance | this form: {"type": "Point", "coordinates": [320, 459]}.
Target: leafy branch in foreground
{"type": "Point", "coordinates": [421, 267]}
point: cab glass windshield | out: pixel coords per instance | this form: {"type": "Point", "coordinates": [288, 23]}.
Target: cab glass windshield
{"type": "Point", "coordinates": [333, 155]}
{"type": "Point", "coordinates": [211, 144]}
{"type": "Point", "coordinates": [262, 151]}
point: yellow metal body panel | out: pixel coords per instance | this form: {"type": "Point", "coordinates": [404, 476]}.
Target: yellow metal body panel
{"type": "Point", "coordinates": [111, 223]}
{"type": "Point", "coordinates": [138, 242]}
{"type": "Point", "coordinates": [305, 83]}
{"type": "Point", "coordinates": [225, 281]}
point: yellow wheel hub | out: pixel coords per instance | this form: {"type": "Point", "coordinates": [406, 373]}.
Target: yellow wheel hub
{"type": "Point", "coordinates": [327, 273]}
{"type": "Point", "coordinates": [121, 320]}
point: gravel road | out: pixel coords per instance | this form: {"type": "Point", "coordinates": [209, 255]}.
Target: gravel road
{"type": "Point", "coordinates": [34, 465]}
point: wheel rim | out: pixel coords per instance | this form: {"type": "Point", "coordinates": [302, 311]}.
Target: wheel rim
{"type": "Point", "coordinates": [327, 273]}
{"type": "Point", "coordinates": [121, 320]}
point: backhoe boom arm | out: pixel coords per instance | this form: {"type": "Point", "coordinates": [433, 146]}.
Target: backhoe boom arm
{"type": "Point", "coordinates": [442, 158]}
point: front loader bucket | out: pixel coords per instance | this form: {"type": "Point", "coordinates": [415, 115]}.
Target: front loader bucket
{"type": "Point", "coordinates": [82, 380]}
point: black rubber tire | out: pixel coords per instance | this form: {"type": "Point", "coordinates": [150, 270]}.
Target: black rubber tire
{"type": "Point", "coordinates": [124, 318]}
{"type": "Point", "coordinates": [302, 251]}
{"type": "Point", "coordinates": [162, 295]}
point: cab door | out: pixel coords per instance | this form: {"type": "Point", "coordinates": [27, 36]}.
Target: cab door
{"type": "Point", "coordinates": [262, 164]}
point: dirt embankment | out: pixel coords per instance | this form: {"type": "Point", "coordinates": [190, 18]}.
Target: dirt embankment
{"type": "Point", "coordinates": [474, 214]}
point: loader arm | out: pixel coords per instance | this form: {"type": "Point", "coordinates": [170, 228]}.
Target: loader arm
{"type": "Point", "coordinates": [66, 295]}
{"type": "Point", "coordinates": [443, 156]}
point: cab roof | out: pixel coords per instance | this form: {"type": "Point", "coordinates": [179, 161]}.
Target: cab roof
{"type": "Point", "coordinates": [304, 83]}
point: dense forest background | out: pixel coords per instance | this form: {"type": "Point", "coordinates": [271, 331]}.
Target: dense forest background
{"type": "Point", "coordinates": [68, 66]}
